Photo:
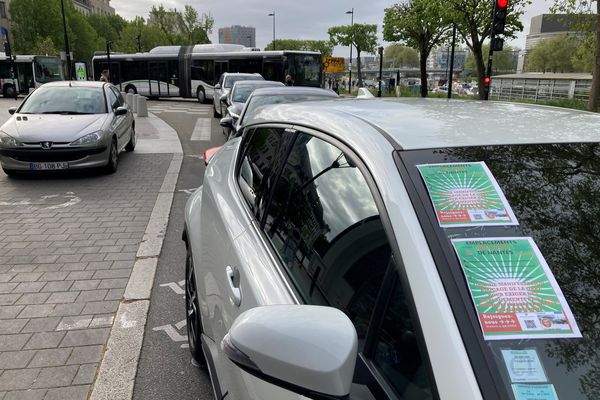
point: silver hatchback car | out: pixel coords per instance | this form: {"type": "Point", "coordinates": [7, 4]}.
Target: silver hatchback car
{"type": "Point", "coordinates": [420, 249]}
{"type": "Point", "coordinates": [67, 125]}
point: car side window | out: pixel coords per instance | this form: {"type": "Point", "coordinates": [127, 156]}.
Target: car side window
{"type": "Point", "coordinates": [120, 99]}
{"type": "Point", "coordinates": [325, 225]}
{"type": "Point", "coordinates": [112, 99]}
{"type": "Point", "coordinates": [397, 354]}
{"type": "Point", "coordinates": [260, 155]}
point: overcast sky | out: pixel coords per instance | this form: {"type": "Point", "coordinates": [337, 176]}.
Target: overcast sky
{"type": "Point", "coordinates": [305, 19]}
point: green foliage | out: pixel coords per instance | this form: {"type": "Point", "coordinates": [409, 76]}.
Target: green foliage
{"type": "Point", "coordinates": [396, 55]}
{"type": "Point", "coordinates": [181, 28]}
{"type": "Point", "coordinates": [473, 20]}
{"type": "Point", "coordinates": [45, 46]}
{"type": "Point", "coordinates": [421, 24]}
{"type": "Point", "coordinates": [554, 55]}
{"type": "Point", "coordinates": [362, 36]}
{"type": "Point", "coordinates": [503, 63]}
{"type": "Point", "coordinates": [324, 46]}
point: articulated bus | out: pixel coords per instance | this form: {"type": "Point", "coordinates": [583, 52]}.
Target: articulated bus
{"type": "Point", "coordinates": [192, 71]}
{"type": "Point", "coordinates": [30, 72]}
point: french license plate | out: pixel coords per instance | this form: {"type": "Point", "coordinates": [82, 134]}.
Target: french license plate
{"type": "Point", "coordinates": [48, 166]}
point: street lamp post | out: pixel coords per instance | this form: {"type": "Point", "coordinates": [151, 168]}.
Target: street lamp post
{"type": "Point", "coordinates": [67, 50]}
{"type": "Point", "coordinates": [350, 74]}
{"type": "Point", "coordinates": [273, 15]}
{"type": "Point", "coordinates": [108, 47]}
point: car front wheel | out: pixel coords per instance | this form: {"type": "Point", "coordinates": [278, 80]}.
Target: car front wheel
{"type": "Point", "coordinates": [113, 158]}
{"type": "Point", "coordinates": [192, 312]}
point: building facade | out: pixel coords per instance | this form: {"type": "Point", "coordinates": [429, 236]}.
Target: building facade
{"type": "Point", "coordinates": [236, 34]}
{"type": "Point", "coordinates": [439, 57]}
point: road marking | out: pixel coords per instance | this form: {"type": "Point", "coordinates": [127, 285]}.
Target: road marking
{"type": "Point", "coordinates": [196, 156]}
{"type": "Point", "coordinates": [72, 200]}
{"type": "Point", "coordinates": [202, 130]}
{"type": "Point", "coordinates": [189, 192]}
{"type": "Point", "coordinates": [173, 333]}
{"type": "Point", "coordinates": [176, 287]}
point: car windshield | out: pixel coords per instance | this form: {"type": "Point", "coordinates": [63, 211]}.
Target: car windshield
{"type": "Point", "coordinates": [259, 101]}
{"type": "Point", "coordinates": [231, 79]}
{"type": "Point", "coordinates": [522, 292]}
{"type": "Point", "coordinates": [65, 100]}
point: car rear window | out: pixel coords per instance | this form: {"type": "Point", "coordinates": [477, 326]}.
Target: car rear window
{"type": "Point", "coordinates": [554, 193]}
{"type": "Point", "coordinates": [231, 79]}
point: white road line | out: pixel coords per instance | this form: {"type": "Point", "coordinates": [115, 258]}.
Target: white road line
{"type": "Point", "coordinates": [202, 130]}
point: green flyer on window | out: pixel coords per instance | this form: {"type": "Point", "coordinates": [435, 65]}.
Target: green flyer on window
{"type": "Point", "coordinates": [514, 291]}
{"type": "Point", "coordinates": [466, 194]}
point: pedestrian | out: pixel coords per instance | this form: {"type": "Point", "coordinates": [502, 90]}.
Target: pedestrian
{"type": "Point", "coordinates": [104, 76]}
{"type": "Point", "coordinates": [335, 86]}
{"type": "Point", "coordinates": [289, 81]}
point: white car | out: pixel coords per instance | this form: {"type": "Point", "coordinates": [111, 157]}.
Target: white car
{"type": "Point", "coordinates": [223, 87]}
{"type": "Point", "coordinates": [372, 249]}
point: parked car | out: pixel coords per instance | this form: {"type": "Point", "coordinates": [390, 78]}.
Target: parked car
{"type": "Point", "coordinates": [238, 95]}
{"type": "Point", "coordinates": [275, 95]}
{"type": "Point", "coordinates": [386, 249]}
{"type": "Point", "coordinates": [222, 88]}
{"type": "Point", "coordinates": [67, 125]}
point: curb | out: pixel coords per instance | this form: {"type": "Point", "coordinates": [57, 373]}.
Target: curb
{"type": "Point", "coordinates": [115, 378]}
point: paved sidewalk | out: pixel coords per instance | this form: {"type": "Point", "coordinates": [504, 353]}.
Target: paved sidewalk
{"type": "Point", "coordinates": [68, 245]}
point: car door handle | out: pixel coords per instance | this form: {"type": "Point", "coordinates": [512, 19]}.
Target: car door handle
{"type": "Point", "coordinates": [233, 281]}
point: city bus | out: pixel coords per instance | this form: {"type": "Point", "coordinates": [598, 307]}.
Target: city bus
{"type": "Point", "coordinates": [192, 71]}
{"type": "Point", "coordinates": [30, 72]}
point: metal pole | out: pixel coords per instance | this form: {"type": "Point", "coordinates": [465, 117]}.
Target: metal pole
{"type": "Point", "coordinates": [488, 72]}
{"type": "Point", "coordinates": [273, 30]}
{"type": "Point", "coordinates": [108, 46]}
{"type": "Point", "coordinates": [67, 50]}
{"type": "Point", "coordinates": [450, 76]}
{"type": "Point", "coordinates": [380, 71]}
{"type": "Point", "coordinates": [350, 70]}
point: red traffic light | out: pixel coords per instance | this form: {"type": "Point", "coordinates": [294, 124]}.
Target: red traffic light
{"type": "Point", "coordinates": [502, 3]}
{"type": "Point", "coordinates": [487, 80]}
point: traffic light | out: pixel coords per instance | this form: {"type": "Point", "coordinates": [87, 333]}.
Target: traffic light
{"type": "Point", "coordinates": [500, 7]}
{"type": "Point", "coordinates": [487, 80]}
{"type": "Point", "coordinates": [497, 44]}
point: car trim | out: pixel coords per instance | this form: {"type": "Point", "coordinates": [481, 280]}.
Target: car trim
{"type": "Point", "coordinates": [477, 359]}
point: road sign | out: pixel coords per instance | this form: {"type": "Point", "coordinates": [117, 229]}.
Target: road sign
{"type": "Point", "coordinates": [333, 64]}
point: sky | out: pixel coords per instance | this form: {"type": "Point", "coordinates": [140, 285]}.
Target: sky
{"type": "Point", "coordinates": [305, 19]}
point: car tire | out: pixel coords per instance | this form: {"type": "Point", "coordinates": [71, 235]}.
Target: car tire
{"type": "Point", "coordinates": [201, 95]}
{"type": "Point", "coordinates": [131, 89]}
{"type": "Point", "coordinates": [192, 312]}
{"type": "Point", "coordinates": [113, 158]}
{"type": "Point", "coordinates": [132, 141]}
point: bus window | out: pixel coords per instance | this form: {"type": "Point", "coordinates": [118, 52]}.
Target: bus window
{"type": "Point", "coordinates": [305, 69]}
{"type": "Point", "coordinates": [48, 69]}
{"type": "Point", "coordinates": [133, 71]}
{"type": "Point", "coordinates": [204, 70]}
{"type": "Point", "coordinates": [174, 73]}
{"type": "Point", "coordinates": [25, 77]}
{"type": "Point", "coordinates": [248, 65]}
{"type": "Point", "coordinates": [273, 70]}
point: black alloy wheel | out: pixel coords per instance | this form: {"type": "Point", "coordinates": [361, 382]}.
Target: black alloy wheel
{"type": "Point", "coordinates": [192, 312]}
{"type": "Point", "coordinates": [132, 141]}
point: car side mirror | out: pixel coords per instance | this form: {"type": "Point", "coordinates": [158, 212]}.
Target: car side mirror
{"type": "Point", "coordinates": [218, 86]}
{"type": "Point", "coordinates": [226, 122]}
{"type": "Point", "coordinates": [12, 110]}
{"type": "Point", "coordinates": [224, 97]}
{"type": "Point", "coordinates": [309, 350]}
{"type": "Point", "coordinates": [121, 111]}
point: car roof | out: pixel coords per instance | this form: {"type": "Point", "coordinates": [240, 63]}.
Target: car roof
{"type": "Point", "coordinates": [258, 83]}
{"type": "Point", "coordinates": [438, 123]}
{"type": "Point", "coordinates": [98, 84]}
{"type": "Point", "coordinates": [241, 74]}
{"type": "Point", "coordinates": [294, 90]}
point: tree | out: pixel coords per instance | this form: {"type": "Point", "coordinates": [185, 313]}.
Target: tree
{"type": "Point", "coordinates": [396, 55]}
{"type": "Point", "coordinates": [554, 55]}
{"type": "Point", "coordinates": [196, 28]}
{"type": "Point", "coordinates": [504, 61]}
{"type": "Point", "coordinates": [362, 36]}
{"type": "Point", "coordinates": [473, 21]}
{"type": "Point", "coordinates": [589, 21]}
{"type": "Point", "coordinates": [421, 24]}
{"type": "Point", "coordinates": [45, 46]}
{"type": "Point", "coordinates": [323, 46]}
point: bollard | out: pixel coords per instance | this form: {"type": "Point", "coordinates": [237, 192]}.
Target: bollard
{"type": "Point", "coordinates": [142, 107]}
{"type": "Point", "coordinates": [129, 100]}
{"type": "Point", "coordinates": [135, 101]}
{"type": "Point", "coordinates": [124, 94]}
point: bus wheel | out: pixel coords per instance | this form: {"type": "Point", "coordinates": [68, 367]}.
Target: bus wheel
{"type": "Point", "coordinates": [201, 96]}
{"type": "Point", "coordinates": [8, 90]}
{"type": "Point", "coordinates": [130, 89]}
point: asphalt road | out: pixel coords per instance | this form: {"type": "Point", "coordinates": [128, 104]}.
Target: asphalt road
{"type": "Point", "coordinates": [165, 370]}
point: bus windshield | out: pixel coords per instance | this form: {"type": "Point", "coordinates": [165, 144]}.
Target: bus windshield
{"type": "Point", "coordinates": [48, 69]}
{"type": "Point", "coordinates": [305, 69]}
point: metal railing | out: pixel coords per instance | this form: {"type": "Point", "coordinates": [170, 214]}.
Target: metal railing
{"type": "Point", "coordinates": [508, 89]}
